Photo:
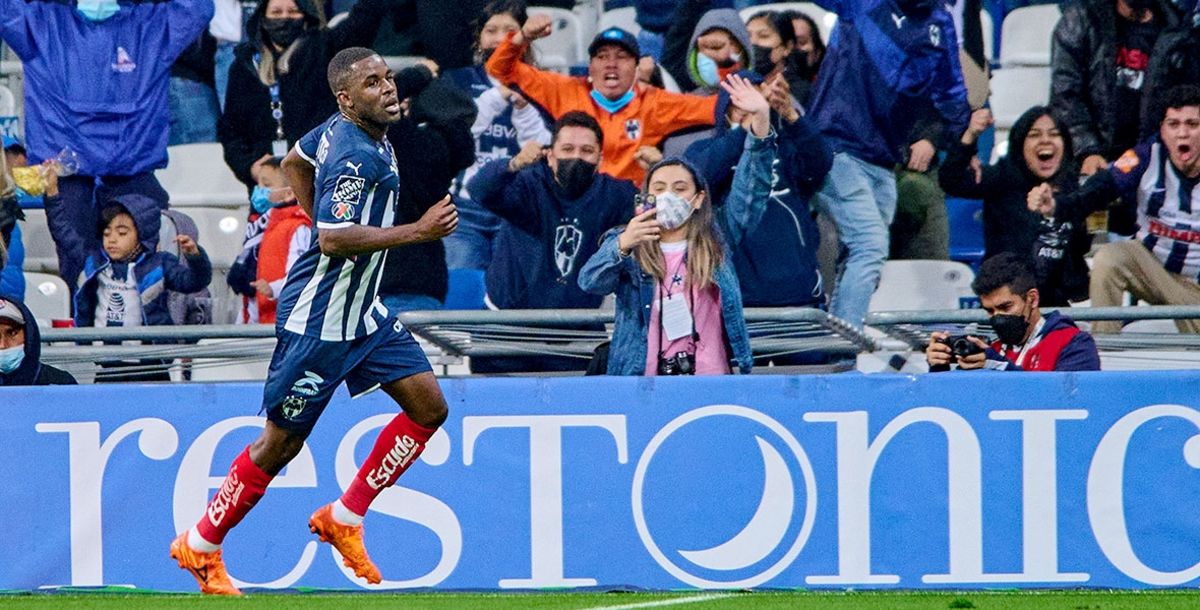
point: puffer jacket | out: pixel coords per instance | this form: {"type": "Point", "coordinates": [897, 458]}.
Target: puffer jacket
{"type": "Point", "coordinates": [1173, 62]}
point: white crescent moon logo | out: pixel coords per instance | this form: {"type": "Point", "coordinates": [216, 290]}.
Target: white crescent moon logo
{"type": "Point", "coordinates": [766, 528]}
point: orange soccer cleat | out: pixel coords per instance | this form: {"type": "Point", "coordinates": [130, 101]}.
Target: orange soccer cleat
{"type": "Point", "coordinates": [208, 568]}
{"type": "Point", "coordinates": [348, 540]}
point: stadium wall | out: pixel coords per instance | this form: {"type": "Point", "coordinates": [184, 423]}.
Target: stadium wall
{"type": "Point", "coordinates": [975, 480]}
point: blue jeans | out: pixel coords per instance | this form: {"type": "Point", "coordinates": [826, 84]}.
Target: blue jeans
{"type": "Point", "coordinates": [397, 303]}
{"type": "Point", "coordinates": [194, 112]}
{"type": "Point", "coordinates": [222, 60]}
{"type": "Point", "coordinates": [470, 245]}
{"type": "Point", "coordinates": [861, 199]}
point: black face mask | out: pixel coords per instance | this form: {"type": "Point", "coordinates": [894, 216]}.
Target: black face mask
{"type": "Point", "coordinates": [574, 176]}
{"type": "Point", "coordinates": [763, 64]}
{"type": "Point", "coordinates": [283, 32]}
{"type": "Point", "coordinates": [917, 8]}
{"type": "Point", "coordinates": [1010, 328]}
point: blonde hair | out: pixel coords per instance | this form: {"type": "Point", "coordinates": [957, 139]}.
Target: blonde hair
{"type": "Point", "coordinates": [6, 181]}
{"type": "Point", "coordinates": [704, 253]}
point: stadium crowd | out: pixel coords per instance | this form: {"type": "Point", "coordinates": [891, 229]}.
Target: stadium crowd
{"type": "Point", "coordinates": [690, 168]}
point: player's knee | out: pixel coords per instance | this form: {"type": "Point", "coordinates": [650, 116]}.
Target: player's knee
{"type": "Point", "coordinates": [275, 447]}
{"type": "Point", "coordinates": [432, 414]}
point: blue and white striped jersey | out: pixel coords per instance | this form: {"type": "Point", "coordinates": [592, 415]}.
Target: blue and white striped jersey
{"type": "Point", "coordinates": [332, 298]}
{"type": "Point", "coordinates": [1168, 206]}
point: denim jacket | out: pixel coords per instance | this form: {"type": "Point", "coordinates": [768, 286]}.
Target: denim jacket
{"type": "Point", "coordinates": [608, 271]}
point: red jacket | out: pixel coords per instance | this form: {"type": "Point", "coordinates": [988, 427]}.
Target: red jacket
{"type": "Point", "coordinates": [1059, 346]}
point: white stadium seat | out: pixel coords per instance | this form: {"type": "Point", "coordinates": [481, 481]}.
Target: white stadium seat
{"type": "Point", "coordinates": [988, 26]}
{"type": "Point", "coordinates": [1026, 34]}
{"type": "Point", "coordinates": [221, 233]}
{"type": "Point", "coordinates": [624, 18]}
{"type": "Point", "coordinates": [196, 176]}
{"type": "Point", "coordinates": [46, 296]}
{"type": "Point", "coordinates": [920, 285]}
{"type": "Point", "coordinates": [40, 255]}
{"type": "Point", "coordinates": [564, 47]}
{"type": "Point", "coordinates": [1015, 90]}
{"type": "Point", "coordinates": [825, 19]}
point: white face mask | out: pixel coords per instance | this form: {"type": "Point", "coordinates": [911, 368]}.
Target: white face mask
{"type": "Point", "coordinates": [672, 210]}
{"type": "Point", "coordinates": [11, 358]}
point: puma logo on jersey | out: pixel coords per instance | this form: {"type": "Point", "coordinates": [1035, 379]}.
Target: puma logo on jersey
{"type": "Point", "coordinates": [898, 20]}
{"type": "Point", "coordinates": [354, 167]}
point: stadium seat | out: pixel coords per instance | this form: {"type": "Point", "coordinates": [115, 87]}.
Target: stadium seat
{"type": "Point", "coordinates": [825, 19]}
{"type": "Point", "coordinates": [1015, 90]}
{"type": "Point", "coordinates": [8, 113]}
{"type": "Point", "coordinates": [988, 26]}
{"type": "Point", "coordinates": [196, 176]}
{"type": "Point", "coordinates": [920, 285]}
{"type": "Point", "coordinates": [624, 18]}
{"type": "Point", "coordinates": [588, 12]}
{"type": "Point", "coordinates": [46, 296]}
{"type": "Point", "coordinates": [221, 233]}
{"type": "Point", "coordinates": [564, 47]}
{"type": "Point", "coordinates": [966, 230]}
{"type": "Point", "coordinates": [40, 255]}
{"type": "Point", "coordinates": [1026, 34]}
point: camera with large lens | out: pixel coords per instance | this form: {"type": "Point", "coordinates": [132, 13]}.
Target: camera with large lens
{"type": "Point", "coordinates": [962, 346]}
{"type": "Point", "coordinates": [682, 363]}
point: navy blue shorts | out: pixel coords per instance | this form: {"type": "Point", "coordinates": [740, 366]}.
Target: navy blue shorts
{"type": "Point", "coordinates": [305, 372]}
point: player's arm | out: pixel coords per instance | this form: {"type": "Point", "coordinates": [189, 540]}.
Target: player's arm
{"type": "Point", "coordinates": [300, 174]}
{"type": "Point", "coordinates": [352, 239]}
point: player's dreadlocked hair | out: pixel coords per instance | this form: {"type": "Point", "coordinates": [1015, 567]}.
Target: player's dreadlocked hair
{"type": "Point", "coordinates": [339, 67]}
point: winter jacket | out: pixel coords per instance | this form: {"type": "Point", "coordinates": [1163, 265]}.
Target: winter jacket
{"type": "Point", "coordinates": [275, 252]}
{"type": "Point", "coordinates": [655, 15]}
{"type": "Point", "coordinates": [693, 20]}
{"type": "Point", "coordinates": [608, 271]}
{"type": "Point", "coordinates": [1058, 346]}
{"type": "Point", "coordinates": [650, 117]}
{"type": "Point", "coordinates": [432, 145]}
{"type": "Point", "coordinates": [776, 262]}
{"type": "Point", "coordinates": [32, 371]}
{"type": "Point", "coordinates": [100, 88]}
{"type": "Point", "coordinates": [883, 71]}
{"type": "Point", "coordinates": [1083, 73]}
{"type": "Point", "coordinates": [546, 238]}
{"type": "Point", "coordinates": [1009, 226]}
{"type": "Point", "coordinates": [247, 129]}
{"type": "Point", "coordinates": [1172, 63]}
{"type": "Point", "coordinates": [156, 272]}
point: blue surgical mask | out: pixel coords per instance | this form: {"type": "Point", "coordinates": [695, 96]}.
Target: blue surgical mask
{"type": "Point", "coordinates": [612, 106]}
{"type": "Point", "coordinates": [98, 10]}
{"type": "Point", "coordinates": [260, 199]}
{"type": "Point", "coordinates": [11, 359]}
{"type": "Point", "coordinates": [707, 69]}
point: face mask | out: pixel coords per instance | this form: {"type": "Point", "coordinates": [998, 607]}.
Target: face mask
{"type": "Point", "coordinates": [612, 106]}
{"type": "Point", "coordinates": [574, 176]}
{"type": "Point", "coordinates": [11, 358]}
{"type": "Point", "coordinates": [1010, 328]}
{"type": "Point", "coordinates": [672, 210]}
{"type": "Point", "coordinates": [707, 69]}
{"type": "Point", "coordinates": [763, 64]}
{"type": "Point", "coordinates": [260, 199]}
{"type": "Point", "coordinates": [483, 55]}
{"type": "Point", "coordinates": [97, 10]}
{"type": "Point", "coordinates": [283, 32]}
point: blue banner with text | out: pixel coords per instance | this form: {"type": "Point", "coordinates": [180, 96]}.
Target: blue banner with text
{"type": "Point", "coordinates": [962, 480]}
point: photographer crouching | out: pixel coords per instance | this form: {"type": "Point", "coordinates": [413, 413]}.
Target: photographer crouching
{"type": "Point", "coordinates": [1026, 340]}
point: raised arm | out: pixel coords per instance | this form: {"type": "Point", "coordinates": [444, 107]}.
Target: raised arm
{"type": "Point", "coordinates": [185, 21]}
{"type": "Point", "coordinates": [16, 16]}
{"type": "Point", "coordinates": [751, 187]}
{"type": "Point", "coordinates": [547, 89]}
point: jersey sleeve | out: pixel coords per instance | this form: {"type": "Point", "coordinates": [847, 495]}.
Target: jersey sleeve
{"type": "Point", "coordinates": [308, 145]}
{"type": "Point", "coordinates": [344, 181]}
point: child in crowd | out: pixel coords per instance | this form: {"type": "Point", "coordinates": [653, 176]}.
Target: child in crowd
{"type": "Point", "coordinates": [679, 306]}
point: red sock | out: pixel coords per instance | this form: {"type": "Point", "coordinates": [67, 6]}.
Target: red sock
{"type": "Point", "coordinates": [243, 486]}
{"type": "Point", "coordinates": [398, 445]}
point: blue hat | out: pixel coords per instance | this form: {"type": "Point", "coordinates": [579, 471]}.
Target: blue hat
{"type": "Point", "coordinates": [9, 141]}
{"type": "Point", "coordinates": [615, 36]}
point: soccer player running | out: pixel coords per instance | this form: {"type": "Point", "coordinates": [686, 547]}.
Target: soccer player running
{"type": "Point", "coordinates": [331, 327]}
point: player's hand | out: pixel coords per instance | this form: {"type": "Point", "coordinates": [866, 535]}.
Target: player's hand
{"type": "Point", "coordinates": [187, 245]}
{"type": "Point", "coordinates": [1041, 200]}
{"type": "Point", "coordinates": [438, 221]}
{"type": "Point", "coordinates": [531, 153]}
{"type": "Point", "coordinates": [937, 353]}
{"type": "Point", "coordinates": [745, 96]}
{"type": "Point", "coordinates": [257, 165]}
{"type": "Point", "coordinates": [920, 154]}
{"type": "Point", "coordinates": [1092, 164]}
{"type": "Point", "coordinates": [643, 228]}
{"type": "Point", "coordinates": [536, 26]}
{"type": "Point", "coordinates": [980, 120]}
{"type": "Point", "coordinates": [647, 156]}
{"type": "Point", "coordinates": [263, 287]}
{"type": "Point", "coordinates": [779, 96]}
{"type": "Point", "coordinates": [974, 361]}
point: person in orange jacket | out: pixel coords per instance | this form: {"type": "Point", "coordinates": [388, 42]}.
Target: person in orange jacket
{"type": "Point", "coordinates": [287, 236]}
{"type": "Point", "coordinates": [634, 117]}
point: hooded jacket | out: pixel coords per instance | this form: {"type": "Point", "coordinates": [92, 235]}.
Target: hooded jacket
{"type": "Point", "coordinates": [680, 53]}
{"type": "Point", "coordinates": [32, 371]}
{"type": "Point", "coordinates": [156, 272]}
{"type": "Point", "coordinates": [610, 272]}
{"type": "Point", "coordinates": [1058, 346]}
{"type": "Point", "coordinates": [546, 238]}
{"type": "Point", "coordinates": [776, 262]}
{"type": "Point", "coordinates": [883, 71]}
{"type": "Point", "coordinates": [1083, 73]}
{"type": "Point", "coordinates": [104, 93]}
{"type": "Point", "coordinates": [1009, 226]}
{"type": "Point", "coordinates": [247, 129]}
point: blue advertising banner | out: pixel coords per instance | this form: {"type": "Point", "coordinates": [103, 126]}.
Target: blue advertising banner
{"type": "Point", "coordinates": [953, 480]}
